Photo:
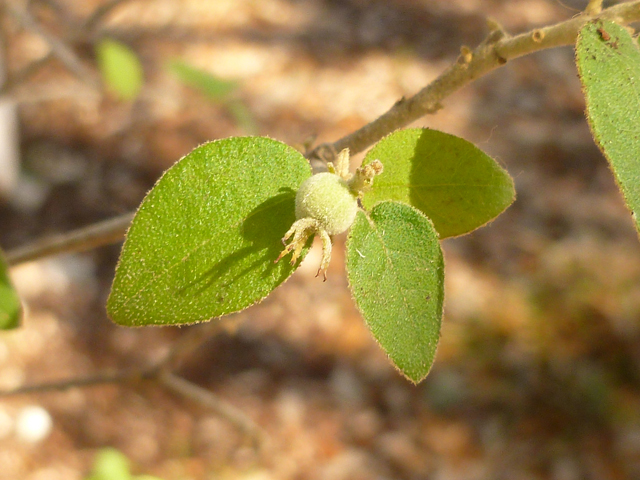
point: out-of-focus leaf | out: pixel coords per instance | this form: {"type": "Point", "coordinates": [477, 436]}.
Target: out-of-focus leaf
{"type": "Point", "coordinates": [204, 240]}
{"type": "Point", "coordinates": [454, 183]}
{"type": "Point", "coordinates": [213, 87]}
{"type": "Point", "coordinates": [110, 464]}
{"type": "Point", "coordinates": [121, 69]}
{"type": "Point", "coordinates": [396, 274]}
{"type": "Point", "coordinates": [608, 62]}
{"type": "Point", "coordinates": [10, 306]}
{"type": "Point", "coordinates": [218, 90]}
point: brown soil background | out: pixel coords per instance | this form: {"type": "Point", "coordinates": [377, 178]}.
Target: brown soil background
{"type": "Point", "coordinates": [538, 371]}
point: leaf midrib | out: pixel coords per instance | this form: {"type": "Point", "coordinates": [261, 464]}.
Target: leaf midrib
{"type": "Point", "coordinates": [389, 261]}
{"type": "Point", "coordinates": [194, 250]}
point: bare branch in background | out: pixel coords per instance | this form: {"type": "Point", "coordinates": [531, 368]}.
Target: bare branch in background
{"type": "Point", "coordinates": [78, 382]}
{"type": "Point", "coordinates": [161, 375]}
{"type": "Point", "coordinates": [205, 398]}
{"type": "Point", "coordinates": [100, 13]}
{"type": "Point", "coordinates": [80, 240]}
{"type": "Point", "coordinates": [59, 49]}
{"type": "Point", "coordinates": [496, 50]}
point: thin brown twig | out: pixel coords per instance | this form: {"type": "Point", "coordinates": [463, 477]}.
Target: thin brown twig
{"type": "Point", "coordinates": [100, 13]}
{"type": "Point", "coordinates": [80, 240]}
{"type": "Point", "coordinates": [204, 397]}
{"type": "Point", "coordinates": [59, 49]}
{"type": "Point", "coordinates": [24, 74]}
{"type": "Point", "coordinates": [497, 49]}
{"type": "Point", "coordinates": [165, 379]}
{"type": "Point", "coordinates": [59, 386]}
{"type": "Point", "coordinates": [492, 53]}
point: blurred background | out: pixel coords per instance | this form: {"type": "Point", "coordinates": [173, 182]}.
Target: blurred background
{"type": "Point", "coordinates": [538, 370]}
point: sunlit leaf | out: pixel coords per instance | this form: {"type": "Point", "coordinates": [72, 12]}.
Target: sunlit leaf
{"type": "Point", "coordinates": [121, 69]}
{"type": "Point", "coordinates": [204, 240]}
{"type": "Point", "coordinates": [609, 65]}
{"type": "Point", "coordinates": [449, 179]}
{"type": "Point", "coordinates": [396, 274]}
{"type": "Point", "coordinates": [10, 307]}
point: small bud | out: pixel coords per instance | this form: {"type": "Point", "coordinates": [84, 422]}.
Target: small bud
{"type": "Point", "coordinates": [363, 178]}
{"type": "Point", "coordinates": [327, 198]}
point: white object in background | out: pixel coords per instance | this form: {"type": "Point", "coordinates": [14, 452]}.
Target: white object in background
{"type": "Point", "coordinates": [9, 147]}
{"type": "Point", "coordinates": [33, 424]}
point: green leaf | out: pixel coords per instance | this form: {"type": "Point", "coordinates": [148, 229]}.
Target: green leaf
{"type": "Point", "coordinates": [609, 66]}
{"type": "Point", "coordinates": [396, 273]}
{"type": "Point", "coordinates": [217, 90]}
{"type": "Point", "coordinates": [121, 69]}
{"type": "Point", "coordinates": [213, 87]}
{"type": "Point", "coordinates": [204, 240]}
{"type": "Point", "coordinates": [10, 307]}
{"type": "Point", "coordinates": [450, 180]}
{"type": "Point", "coordinates": [110, 464]}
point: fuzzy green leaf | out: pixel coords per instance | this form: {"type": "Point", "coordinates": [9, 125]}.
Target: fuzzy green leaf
{"type": "Point", "coordinates": [450, 180]}
{"type": "Point", "coordinates": [396, 273]}
{"type": "Point", "coordinates": [608, 61]}
{"type": "Point", "coordinates": [121, 69]}
{"type": "Point", "coordinates": [204, 240]}
{"type": "Point", "coordinates": [10, 306]}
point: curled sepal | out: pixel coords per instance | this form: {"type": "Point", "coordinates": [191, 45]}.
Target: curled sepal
{"type": "Point", "coordinates": [10, 306]}
{"type": "Point", "coordinates": [453, 182]}
{"type": "Point", "coordinates": [204, 240]}
{"type": "Point", "coordinates": [396, 274]}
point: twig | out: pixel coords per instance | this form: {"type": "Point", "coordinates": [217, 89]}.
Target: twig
{"type": "Point", "coordinates": [162, 376]}
{"type": "Point", "coordinates": [100, 379]}
{"type": "Point", "coordinates": [101, 12]}
{"type": "Point", "coordinates": [207, 399]}
{"type": "Point", "coordinates": [594, 7]}
{"type": "Point", "coordinates": [61, 51]}
{"type": "Point", "coordinates": [86, 238]}
{"type": "Point", "coordinates": [20, 77]}
{"type": "Point", "coordinates": [491, 54]}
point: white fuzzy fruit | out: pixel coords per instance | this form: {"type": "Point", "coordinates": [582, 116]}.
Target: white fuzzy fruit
{"type": "Point", "coordinates": [327, 198]}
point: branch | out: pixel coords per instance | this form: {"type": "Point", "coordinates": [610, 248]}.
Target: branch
{"type": "Point", "coordinates": [10, 83]}
{"type": "Point", "coordinates": [492, 53]}
{"type": "Point", "coordinates": [58, 48]}
{"type": "Point", "coordinates": [161, 375]}
{"type": "Point", "coordinates": [100, 13]}
{"type": "Point", "coordinates": [167, 380]}
{"type": "Point", "coordinates": [100, 379]}
{"type": "Point", "coordinates": [86, 238]}
{"type": "Point", "coordinates": [207, 399]}
{"type": "Point", "coordinates": [496, 50]}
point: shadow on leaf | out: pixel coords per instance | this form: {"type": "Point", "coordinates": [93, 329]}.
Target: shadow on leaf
{"type": "Point", "coordinates": [251, 263]}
